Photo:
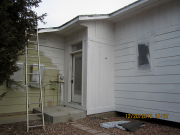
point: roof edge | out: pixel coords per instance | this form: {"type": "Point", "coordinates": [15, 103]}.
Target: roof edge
{"type": "Point", "coordinates": [53, 29]}
{"type": "Point", "coordinates": [132, 5]}
{"type": "Point", "coordinates": [93, 17]}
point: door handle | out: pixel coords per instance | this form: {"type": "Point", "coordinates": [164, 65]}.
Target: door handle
{"type": "Point", "coordinates": [71, 80]}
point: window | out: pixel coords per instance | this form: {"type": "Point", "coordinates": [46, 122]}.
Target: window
{"type": "Point", "coordinates": [144, 61]}
{"type": "Point", "coordinates": [143, 57]}
{"type": "Point", "coordinates": [77, 47]}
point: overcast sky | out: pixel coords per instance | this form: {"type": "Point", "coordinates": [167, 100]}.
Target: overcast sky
{"type": "Point", "coordinates": [61, 11]}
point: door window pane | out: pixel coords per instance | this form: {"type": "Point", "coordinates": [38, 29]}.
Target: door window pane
{"type": "Point", "coordinates": [78, 75]}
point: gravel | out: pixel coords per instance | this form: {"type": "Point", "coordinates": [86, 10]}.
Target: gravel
{"type": "Point", "coordinates": [151, 128]}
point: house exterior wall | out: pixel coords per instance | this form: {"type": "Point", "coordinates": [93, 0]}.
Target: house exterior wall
{"type": "Point", "coordinates": [51, 49]}
{"type": "Point", "coordinates": [71, 39]}
{"type": "Point", "coordinates": [157, 92]}
{"type": "Point", "coordinates": [100, 94]}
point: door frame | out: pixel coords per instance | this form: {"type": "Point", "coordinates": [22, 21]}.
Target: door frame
{"type": "Point", "coordinates": [68, 72]}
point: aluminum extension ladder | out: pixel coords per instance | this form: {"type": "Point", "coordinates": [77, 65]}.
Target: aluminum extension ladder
{"type": "Point", "coordinates": [35, 42]}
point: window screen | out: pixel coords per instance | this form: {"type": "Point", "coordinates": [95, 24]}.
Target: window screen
{"type": "Point", "coordinates": [143, 57]}
{"type": "Point", "coordinates": [77, 47]}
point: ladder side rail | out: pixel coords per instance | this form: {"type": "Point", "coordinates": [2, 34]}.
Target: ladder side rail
{"type": "Point", "coordinates": [40, 86]}
{"type": "Point", "coordinates": [26, 83]}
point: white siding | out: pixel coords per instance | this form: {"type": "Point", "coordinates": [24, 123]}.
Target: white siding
{"type": "Point", "coordinates": [100, 67]}
{"type": "Point", "coordinates": [53, 47]}
{"type": "Point", "coordinates": [160, 91]}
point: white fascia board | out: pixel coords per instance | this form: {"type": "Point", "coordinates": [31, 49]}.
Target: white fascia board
{"type": "Point", "coordinates": [128, 7]}
{"type": "Point", "coordinates": [73, 21]}
{"type": "Point", "coordinates": [93, 17]}
{"type": "Point", "coordinates": [69, 23]}
{"type": "Point", "coordinates": [47, 30]}
{"type": "Point", "coordinates": [59, 28]}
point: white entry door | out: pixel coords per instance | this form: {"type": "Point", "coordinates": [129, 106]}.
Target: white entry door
{"type": "Point", "coordinates": [77, 78]}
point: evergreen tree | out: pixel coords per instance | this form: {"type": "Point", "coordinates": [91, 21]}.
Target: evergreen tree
{"type": "Point", "coordinates": [16, 16]}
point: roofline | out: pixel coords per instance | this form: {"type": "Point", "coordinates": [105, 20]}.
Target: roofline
{"type": "Point", "coordinates": [93, 17]}
{"type": "Point", "coordinates": [53, 29]}
{"type": "Point", "coordinates": [132, 5]}
{"type": "Point", "coordinates": [74, 20]}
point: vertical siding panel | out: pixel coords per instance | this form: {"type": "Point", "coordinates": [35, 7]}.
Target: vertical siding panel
{"type": "Point", "coordinates": [126, 28]}
{"type": "Point", "coordinates": [165, 15]}
{"type": "Point", "coordinates": [106, 80]}
{"type": "Point", "coordinates": [91, 78]}
{"type": "Point", "coordinates": [123, 34]}
{"type": "Point", "coordinates": [175, 12]}
{"type": "Point", "coordinates": [142, 23]}
{"type": "Point", "coordinates": [153, 20]}
{"type": "Point", "coordinates": [108, 32]}
{"type": "Point", "coordinates": [133, 26]}
{"type": "Point", "coordinates": [118, 30]}
{"type": "Point", "coordinates": [100, 74]}
{"type": "Point", "coordinates": [100, 71]}
{"type": "Point", "coordinates": [99, 29]}
{"type": "Point", "coordinates": [91, 29]}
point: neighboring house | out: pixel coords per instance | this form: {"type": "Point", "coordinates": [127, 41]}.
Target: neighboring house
{"type": "Point", "coordinates": [126, 61]}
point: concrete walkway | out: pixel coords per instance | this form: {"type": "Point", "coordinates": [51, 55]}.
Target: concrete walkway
{"type": "Point", "coordinates": [87, 129]}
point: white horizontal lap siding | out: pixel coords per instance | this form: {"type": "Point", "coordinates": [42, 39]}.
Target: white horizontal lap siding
{"type": "Point", "coordinates": [53, 47]}
{"type": "Point", "coordinates": [160, 91]}
{"type": "Point", "coordinates": [100, 74]}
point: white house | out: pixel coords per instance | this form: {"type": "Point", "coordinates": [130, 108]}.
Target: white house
{"type": "Point", "coordinates": [126, 61]}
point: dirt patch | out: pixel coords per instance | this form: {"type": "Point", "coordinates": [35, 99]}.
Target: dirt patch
{"type": "Point", "coordinates": [151, 128]}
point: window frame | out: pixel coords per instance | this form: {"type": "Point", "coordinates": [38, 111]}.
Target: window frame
{"type": "Point", "coordinates": [151, 53]}
{"type": "Point", "coordinates": [76, 51]}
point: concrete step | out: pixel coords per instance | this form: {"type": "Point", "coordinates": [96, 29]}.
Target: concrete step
{"type": "Point", "coordinates": [58, 114]}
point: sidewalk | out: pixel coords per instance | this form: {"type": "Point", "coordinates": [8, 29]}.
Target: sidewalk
{"type": "Point", "coordinates": [87, 129]}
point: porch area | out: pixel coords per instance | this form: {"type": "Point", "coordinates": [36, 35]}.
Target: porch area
{"type": "Point", "coordinates": [54, 114]}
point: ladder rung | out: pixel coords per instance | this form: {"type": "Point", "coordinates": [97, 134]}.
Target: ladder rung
{"type": "Point", "coordinates": [32, 41]}
{"type": "Point", "coordinates": [34, 92]}
{"type": "Point", "coordinates": [33, 56]}
{"type": "Point", "coordinates": [33, 82]}
{"type": "Point", "coordinates": [34, 103]}
{"type": "Point", "coordinates": [31, 65]}
{"type": "Point", "coordinates": [36, 126]}
{"type": "Point", "coordinates": [31, 48]}
{"type": "Point", "coordinates": [35, 114]}
{"type": "Point", "coordinates": [32, 34]}
{"type": "Point", "coordinates": [33, 73]}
